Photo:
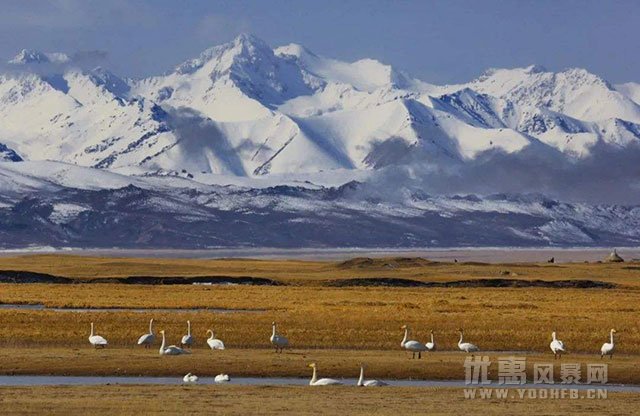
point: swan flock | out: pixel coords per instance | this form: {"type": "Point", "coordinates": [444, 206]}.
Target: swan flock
{"type": "Point", "coordinates": [279, 342]}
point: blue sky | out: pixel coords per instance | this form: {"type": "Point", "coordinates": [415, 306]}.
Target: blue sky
{"type": "Point", "coordinates": [437, 41]}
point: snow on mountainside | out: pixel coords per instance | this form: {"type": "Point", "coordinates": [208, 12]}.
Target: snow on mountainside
{"type": "Point", "coordinates": [74, 117]}
{"type": "Point", "coordinates": [631, 90]}
{"type": "Point", "coordinates": [364, 75]}
{"type": "Point", "coordinates": [574, 92]}
{"type": "Point", "coordinates": [72, 206]}
{"type": "Point", "coordinates": [245, 109]}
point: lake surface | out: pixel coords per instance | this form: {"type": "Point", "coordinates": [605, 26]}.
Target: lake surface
{"type": "Point", "coordinates": [480, 254]}
{"type": "Point", "coordinates": [276, 381]}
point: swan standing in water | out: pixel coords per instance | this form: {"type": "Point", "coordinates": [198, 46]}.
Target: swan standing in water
{"type": "Point", "coordinates": [278, 341]}
{"type": "Point", "coordinates": [96, 340]}
{"type": "Point", "coordinates": [413, 346]}
{"type": "Point", "coordinates": [431, 346]}
{"type": "Point", "coordinates": [466, 346]}
{"type": "Point", "coordinates": [368, 383]}
{"type": "Point", "coordinates": [222, 378]}
{"type": "Point", "coordinates": [323, 381]}
{"type": "Point", "coordinates": [214, 344]}
{"type": "Point", "coordinates": [190, 378]}
{"type": "Point", "coordinates": [147, 339]}
{"type": "Point", "coordinates": [556, 346]}
{"type": "Point", "coordinates": [187, 340]}
{"type": "Point", "coordinates": [608, 347]}
{"type": "Point", "coordinates": [171, 349]}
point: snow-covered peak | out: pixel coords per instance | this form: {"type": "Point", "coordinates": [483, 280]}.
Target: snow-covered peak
{"type": "Point", "coordinates": [535, 69]}
{"type": "Point", "coordinates": [245, 109]}
{"type": "Point", "coordinates": [248, 64]}
{"type": "Point", "coordinates": [365, 74]}
{"type": "Point", "coordinates": [574, 91]}
{"type": "Point", "coordinates": [29, 56]}
{"type": "Point", "coordinates": [244, 46]}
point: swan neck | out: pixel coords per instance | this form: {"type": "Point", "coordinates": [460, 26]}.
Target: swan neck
{"type": "Point", "coordinates": [361, 379]}
{"type": "Point", "coordinates": [314, 377]}
{"type": "Point", "coordinates": [189, 328]}
{"type": "Point", "coordinates": [611, 334]}
{"type": "Point", "coordinates": [163, 343]}
{"type": "Point", "coordinates": [406, 335]}
{"type": "Point", "coordinates": [461, 338]}
{"type": "Point", "coordinates": [210, 332]}
{"type": "Point", "coordinates": [151, 327]}
{"type": "Point", "coordinates": [432, 338]}
{"type": "Point", "coordinates": [273, 330]}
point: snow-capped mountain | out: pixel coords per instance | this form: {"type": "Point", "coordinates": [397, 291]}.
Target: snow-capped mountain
{"type": "Point", "coordinates": [246, 109]}
{"type": "Point", "coordinates": [28, 56]}
{"type": "Point", "coordinates": [285, 128]}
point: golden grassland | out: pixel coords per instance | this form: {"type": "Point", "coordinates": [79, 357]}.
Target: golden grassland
{"type": "Point", "coordinates": [302, 272]}
{"type": "Point", "coordinates": [312, 317]}
{"type": "Point", "coordinates": [338, 327]}
{"type": "Point", "coordinates": [271, 400]}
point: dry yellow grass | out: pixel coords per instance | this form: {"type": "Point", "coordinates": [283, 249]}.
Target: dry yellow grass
{"type": "Point", "coordinates": [314, 317]}
{"type": "Point", "coordinates": [310, 272]}
{"type": "Point", "coordinates": [205, 400]}
{"type": "Point", "coordinates": [336, 326]}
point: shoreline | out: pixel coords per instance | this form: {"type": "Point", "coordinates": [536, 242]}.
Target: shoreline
{"type": "Point", "coordinates": [440, 366]}
{"type": "Point", "coordinates": [480, 254]}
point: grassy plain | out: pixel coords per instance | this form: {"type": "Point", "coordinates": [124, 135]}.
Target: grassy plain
{"type": "Point", "coordinates": [340, 318]}
{"type": "Point", "coordinates": [268, 400]}
{"type": "Point", "coordinates": [313, 273]}
{"type": "Point", "coordinates": [314, 316]}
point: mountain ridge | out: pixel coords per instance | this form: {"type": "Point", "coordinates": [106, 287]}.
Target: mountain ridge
{"type": "Point", "coordinates": [256, 110]}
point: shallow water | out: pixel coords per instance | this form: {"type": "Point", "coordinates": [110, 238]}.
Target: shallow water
{"type": "Point", "coordinates": [276, 381]}
{"type": "Point", "coordinates": [40, 307]}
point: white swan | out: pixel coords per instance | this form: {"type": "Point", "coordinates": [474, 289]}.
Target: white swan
{"type": "Point", "coordinates": [608, 347]}
{"type": "Point", "coordinates": [187, 340]}
{"type": "Point", "coordinates": [323, 381]}
{"type": "Point", "coordinates": [171, 349]}
{"type": "Point", "coordinates": [556, 346]}
{"type": "Point", "coordinates": [431, 346]}
{"type": "Point", "coordinates": [214, 344]}
{"type": "Point", "coordinates": [190, 378]}
{"type": "Point", "coordinates": [222, 378]}
{"type": "Point", "coordinates": [466, 346]}
{"type": "Point", "coordinates": [368, 383]}
{"type": "Point", "coordinates": [413, 346]}
{"type": "Point", "coordinates": [278, 341]}
{"type": "Point", "coordinates": [147, 339]}
{"type": "Point", "coordinates": [96, 340]}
